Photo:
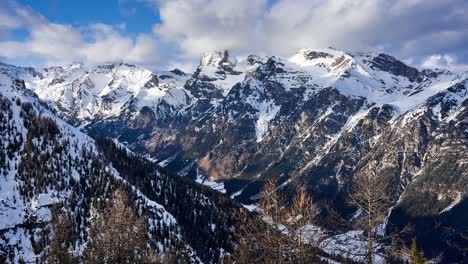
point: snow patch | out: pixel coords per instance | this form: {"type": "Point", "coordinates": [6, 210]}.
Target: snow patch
{"type": "Point", "coordinates": [267, 111]}
{"type": "Point", "coordinates": [215, 185]}
{"type": "Point", "coordinates": [352, 245]}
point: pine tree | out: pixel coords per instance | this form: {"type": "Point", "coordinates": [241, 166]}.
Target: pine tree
{"type": "Point", "coordinates": [417, 256]}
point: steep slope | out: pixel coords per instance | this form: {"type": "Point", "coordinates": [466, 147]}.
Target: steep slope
{"type": "Point", "coordinates": [425, 155]}
{"type": "Point", "coordinates": [323, 117]}
{"type": "Point", "coordinates": [297, 111]}
{"type": "Point", "coordinates": [46, 162]}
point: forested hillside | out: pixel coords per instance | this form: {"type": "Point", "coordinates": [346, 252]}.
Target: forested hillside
{"type": "Point", "coordinates": [46, 163]}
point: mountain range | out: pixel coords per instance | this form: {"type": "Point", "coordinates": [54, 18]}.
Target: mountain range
{"type": "Point", "coordinates": [319, 119]}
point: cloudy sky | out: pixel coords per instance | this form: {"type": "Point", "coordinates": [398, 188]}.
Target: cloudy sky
{"type": "Point", "coordinates": [174, 33]}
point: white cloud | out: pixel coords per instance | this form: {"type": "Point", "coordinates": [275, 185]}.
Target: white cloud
{"type": "Point", "coordinates": [292, 25]}
{"type": "Point", "coordinates": [57, 44]}
{"type": "Point", "coordinates": [204, 25]}
{"type": "Point", "coordinates": [404, 28]}
{"type": "Point", "coordinates": [443, 61]}
{"type": "Point", "coordinates": [408, 29]}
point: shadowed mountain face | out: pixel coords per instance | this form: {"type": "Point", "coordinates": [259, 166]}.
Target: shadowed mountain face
{"type": "Point", "coordinates": [319, 118]}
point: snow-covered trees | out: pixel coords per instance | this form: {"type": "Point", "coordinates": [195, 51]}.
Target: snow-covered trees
{"type": "Point", "coordinates": [208, 220]}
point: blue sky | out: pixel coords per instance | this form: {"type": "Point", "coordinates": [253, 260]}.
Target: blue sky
{"type": "Point", "coordinates": [136, 16]}
{"type": "Point", "coordinates": [174, 33]}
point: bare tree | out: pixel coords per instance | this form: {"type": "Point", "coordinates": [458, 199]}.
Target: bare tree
{"type": "Point", "coordinates": [117, 234]}
{"type": "Point", "coordinates": [273, 210]}
{"type": "Point", "coordinates": [248, 250]}
{"type": "Point", "coordinates": [417, 255]}
{"type": "Point", "coordinates": [61, 239]}
{"type": "Point", "coordinates": [280, 233]}
{"type": "Point", "coordinates": [370, 194]}
{"type": "Point", "coordinates": [301, 227]}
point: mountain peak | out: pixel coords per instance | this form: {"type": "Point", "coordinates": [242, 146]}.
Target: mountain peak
{"type": "Point", "coordinates": [435, 72]}
{"type": "Point", "coordinates": [178, 72]}
{"type": "Point", "coordinates": [311, 54]}
{"type": "Point", "coordinates": [218, 59]}
{"type": "Point", "coordinates": [387, 63]}
{"type": "Point", "coordinates": [331, 59]}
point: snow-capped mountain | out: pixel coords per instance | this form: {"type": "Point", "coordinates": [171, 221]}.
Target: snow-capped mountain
{"type": "Point", "coordinates": [46, 163]}
{"type": "Point", "coordinates": [319, 118]}
{"type": "Point", "coordinates": [86, 94]}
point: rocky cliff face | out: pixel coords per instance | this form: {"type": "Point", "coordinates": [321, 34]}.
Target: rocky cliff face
{"type": "Point", "coordinates": [320, 118]}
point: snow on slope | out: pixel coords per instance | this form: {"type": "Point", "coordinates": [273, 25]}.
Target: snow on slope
{"type": "Point", "coordinates": [221, 69]}
{"type": "Point", "coordinates": [106, 91]}
{"type": "Point", "coordinates": [352, 245]}
{"type": "Point", "coordinates": [267, 111]}
{"type": "Point", "coordinates": [18, 212]}
{"type": "Point", "coordinates": [356, 75]}
{"type": "Point", "coordinates": [359, 75]}
{"type": "Point", "coordinates": [353, 75]}
{"type": "Point", "coordinates": [103, 91]}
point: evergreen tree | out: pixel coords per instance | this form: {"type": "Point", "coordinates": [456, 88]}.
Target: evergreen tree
{"type": "Point", "coordinates": [417, 255]}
